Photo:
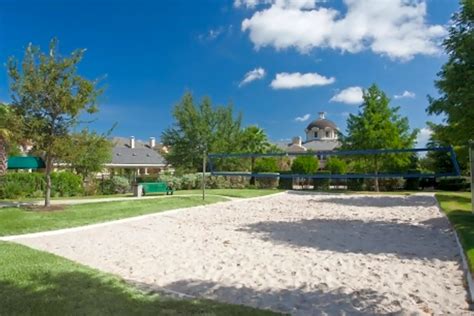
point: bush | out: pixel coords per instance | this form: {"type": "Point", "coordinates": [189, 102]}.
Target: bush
{"type": "Point", "coordinates": [268, 182]}
{"type": "Point", "coordinates": [452, 184]}
{"type": "Point", "coordinates": [336, 165]}
{"type": "Point", "coordinates": [21, 185]}
{"type": "Point", "coordinates": [413, 183]}
{"type": "Point", "coordinates": [285, 183]}
{"type": "Point", "coordinates": [115, 185]}
{"type": "Point", "coordinates": [385, 184]}
{"type": "Point", "coordinates": [355, 184]}
{"type": "Point", "coordinates": [321, 184]}
{"type": "Point", "coordinates": [266, 165]}
{"type": "Point", "coordinates": [148, 178]}
{"type": "Point", "coordinates": [305, 165]}
{"type": "Point", "coordinates": [66, 183]}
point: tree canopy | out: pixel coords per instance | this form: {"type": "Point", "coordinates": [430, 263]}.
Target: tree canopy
{"type": "Point", "coordinates": [379, 126]}
{"type": "Point", "coordinates": [198, 129]}
{"type": "Point", "coordinates": [50, 96]}
{"type": "Point", "coordinates": [455, 84]}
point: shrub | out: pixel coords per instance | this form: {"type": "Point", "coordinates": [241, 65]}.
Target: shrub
{"type": "Point", "coordinates": [21, 185]}
{"type": "Point", "coordinates": [66, 183]}
{"type": "Point", "coordinates": [413, 183]}
{"type": "Point", "coordinates": [268, 182]}
{"type": "Point", "coordinates": [336, 165]}
{"type": "Point", "coordinates": [305, 165]}
{"type": "Point", "coordinates": [452, 184]}
{"type": "Point", "coordinates": [116, 185]}
{"type": "Point", "coordinates": [321, 184]}
{"type": "Point", "coordinates": [266, 165]}
{"type": "Point", "coordinates": [146, 178]}
{"type": "Point", "coordinates": [355, 184]}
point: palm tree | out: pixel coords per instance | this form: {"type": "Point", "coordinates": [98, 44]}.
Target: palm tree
{"type": "Point", "coordinates": [5, 135]}
{"type": "Point", "coordinates": [254, 141]}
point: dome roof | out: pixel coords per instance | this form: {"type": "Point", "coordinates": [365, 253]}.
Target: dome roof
{"type": "Point", "coordinates": [322, 124]}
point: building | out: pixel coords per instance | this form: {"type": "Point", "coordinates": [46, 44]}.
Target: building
{"type": "Point", "coordinates": [131, 156]}
{"type": "Point", "coordinates": [321, 135]}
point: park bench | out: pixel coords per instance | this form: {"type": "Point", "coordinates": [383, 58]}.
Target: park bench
{"type": "Point", "coordinates": [156, 187]}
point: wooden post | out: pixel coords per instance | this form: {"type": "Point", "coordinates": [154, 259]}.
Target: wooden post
{"type": "Point", "coordinates": [204, 176]}
{"type": "Point", "coordinates": [471, 163]}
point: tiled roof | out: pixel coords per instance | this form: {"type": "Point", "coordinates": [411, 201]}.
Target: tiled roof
{"type": "Point", "coordinates": [142, 154]}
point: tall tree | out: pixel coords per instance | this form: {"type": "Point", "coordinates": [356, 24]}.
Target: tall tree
{"type": "Point", "coordinates": [199, 129]}
{"type": "Point", "coordinates": [5, 134]}
{"type": "Point", "coordinates": [455, 83]}
{"type": "Point", "coordinates": [86, 152]}
{"type": "Point", "coordinates": [50, 96]}
{"type": "Point", "coordinates": [379, 126]}
{"type": "Point", "coordinates": [254, 140]}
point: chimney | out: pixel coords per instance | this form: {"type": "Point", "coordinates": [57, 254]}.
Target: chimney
{"type": "Point", "coordinates": [322, 115]}
{"type": "Point", "coordinates": [152, 142]}
{"type": "Point", "coordinates": [296, 140]}
{"type": "Point", "coordinates": [132, 142]}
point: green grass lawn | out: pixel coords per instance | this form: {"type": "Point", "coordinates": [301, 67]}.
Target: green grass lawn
{"type": "Point", "coordinates": [37, 283]}
{"type": "Point", "coordinates": [457, 206]}
{"type": "Point", "coordinates": [19, 221]}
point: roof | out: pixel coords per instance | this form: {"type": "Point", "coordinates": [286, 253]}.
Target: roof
{"type": "Point", "coordinates": [25, 163]}
{"type": "Point", "coordinates": [321, 145]}
{"type": "Point", "coordinates": [142, 154]}
{"type": "Point", "coordinates": [321, 123]}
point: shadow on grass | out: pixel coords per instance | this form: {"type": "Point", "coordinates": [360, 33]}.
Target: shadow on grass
{"type": "Point", "coordinates": [80, 293]}
{"type": "Point", "coordinates": [431, 239]}
{"type": "Point", "coordinates": [461, 199]}
{"type": "Point", "coordinates": [317, 301]}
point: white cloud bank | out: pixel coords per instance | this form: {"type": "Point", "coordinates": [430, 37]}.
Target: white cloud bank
{"type": "Point", "coordinates": [303, 118]}
{"type": "Point", "coordinates": [252, 75]}
{"type": "Point", "coordinates": [285, 80]}
{"type": "Point", "coordinates": [351, 95]}
{"type": "Point", "coordinates": [395, 28]}
{"type": "Point", "coordinates": [405, 95]}
{"type": "Point", "coordinates": [423, 137]}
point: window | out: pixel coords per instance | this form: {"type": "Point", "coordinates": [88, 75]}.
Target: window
{"type": "Point", "coordinates": [327, 134]}
{"type": "Point", "coordinates": [315, 134]}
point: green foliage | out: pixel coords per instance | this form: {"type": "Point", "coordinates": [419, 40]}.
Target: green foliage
{"type": "Point", "coordinates": [86, 152]}
{"type": "Point", "coordinates": [198, 129]}
{"type": "Point", "coordinates": [266, 165]}
{"type": "Point", "coordinates": [21, 185]}
{"type": "Point", "coordinates": [194, 181]}
{"type": "Point", "coordinates": [452, 184]}
{"type": "Point", "coordinates": [66, 183]}
{"type": "Point", "coordinates": [379, 126]}
{"type": "Point", "coordinates": [455, 84]}
{"type": "Point", "coordinates": [321, 184]}
{"type": "Point", "coordinates": [115, 185]}
{"type": "Point", "coordinates": [50, 97]}
{"type": "Point", "coordinates": [336, 165]}
{"type": "Point", "coordinates": [305, 165]}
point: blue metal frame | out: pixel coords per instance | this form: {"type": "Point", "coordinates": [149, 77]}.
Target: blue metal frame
{"type": "Point", "coordinates": [455, 173]}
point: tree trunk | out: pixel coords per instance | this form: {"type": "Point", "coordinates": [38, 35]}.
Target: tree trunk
{"type": "Point", "coordinates": [3, 157]}
{"type": "Point", "coordinates": [252, 166]}
{"type": "Point", "coordinates": [49, 167]}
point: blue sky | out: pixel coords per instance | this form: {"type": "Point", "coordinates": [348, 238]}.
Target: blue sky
{"type": "Point", "coordinates": [303, 53]}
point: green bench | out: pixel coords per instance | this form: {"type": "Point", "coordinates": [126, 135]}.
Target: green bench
{"type": "Point", "coordinates": [156, 187]}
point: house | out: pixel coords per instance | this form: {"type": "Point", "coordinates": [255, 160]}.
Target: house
{"type": "Point", "coordinates": [136, 157]}
{"type": "Point", "coordinates": [321, 135]}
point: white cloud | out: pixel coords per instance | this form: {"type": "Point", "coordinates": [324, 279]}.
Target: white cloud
{"type": "Point", "coordinates": [256, 74]}
{"type": "Point", "coordinates": [303, 118]}
{"type": "Point", "coordinates": [295, 4]}
{"type": "Point", "coordinates": [405, 94]}
{"type": "Point", "coordinates": [212, 34]}
{"type": "Point", "coordinates": [351, 95]}
{"type": "Point", "coordinates": [295, 80]}
{"type": "Point", "coordinates": [423, 137]}
{"type": "Point", "coordinates": [395, 28]}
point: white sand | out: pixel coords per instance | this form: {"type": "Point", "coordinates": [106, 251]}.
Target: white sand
{"type": "Point", "coordinates": [297, 253]}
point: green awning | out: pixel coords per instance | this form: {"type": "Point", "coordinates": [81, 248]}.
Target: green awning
{"type": "Point", "coordinates": [25, 163]}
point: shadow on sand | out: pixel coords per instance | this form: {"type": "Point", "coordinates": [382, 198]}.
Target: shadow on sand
{"type": "Point", "coordinates": [431, 239]}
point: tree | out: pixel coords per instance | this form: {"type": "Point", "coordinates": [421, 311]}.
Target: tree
{"type": "Point", "coordinates": [50, 96]}
{"type": "Point", "coordinates": [5, 134]}
{"type": "Point", "coordinates": [305, 165]}
{"type": "Point", "coordinates": [200, 129]}
{"type": "Point", "coordinates": [455, 84]}
{"type": "Point", "coordinates": [86, 152]}
{"type": "Point", "coordinates": [336, 165]}
{"type": "Point", "coordinates": [379, 126]}
{"type": "Point", "coordinates": [254, 141]}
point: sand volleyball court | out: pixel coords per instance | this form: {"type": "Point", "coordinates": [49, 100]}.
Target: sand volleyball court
{"type": "Point", "coordinates": [305, 254]}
